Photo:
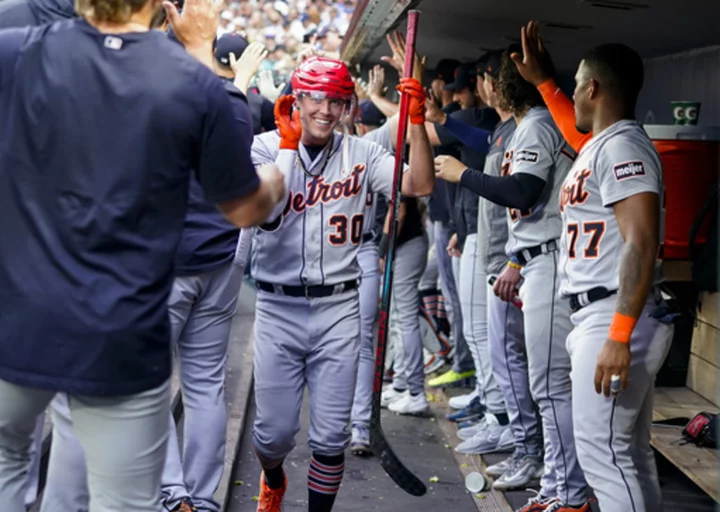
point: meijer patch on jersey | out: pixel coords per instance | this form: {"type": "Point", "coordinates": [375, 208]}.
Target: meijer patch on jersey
{"type": "Point", "coordinates": [629, 170]}
{"type": "Point", "coordinates": [525, 155]}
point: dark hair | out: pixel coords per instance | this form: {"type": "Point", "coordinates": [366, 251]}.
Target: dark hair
{"type": "Point", "coordinates": [515, 93]}
{"type": "Point", "coordinates": [619, 70]}
{"type": "Point", "coordinates": [112, 11]}
{"type": "Point", "coordinates": [158, 19]}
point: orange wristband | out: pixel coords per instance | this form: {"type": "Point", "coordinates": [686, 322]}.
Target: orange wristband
{"type": "Point", "coordinates": [621, 328]}
{"type": "Point", "coordinates": [548, 87]}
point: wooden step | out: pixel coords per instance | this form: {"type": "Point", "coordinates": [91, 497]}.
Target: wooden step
{"type": "Point", "coordinates": [699, 464]}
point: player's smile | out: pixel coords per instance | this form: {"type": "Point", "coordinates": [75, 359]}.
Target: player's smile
{"type": "Point", "coordinates": [321, 124]}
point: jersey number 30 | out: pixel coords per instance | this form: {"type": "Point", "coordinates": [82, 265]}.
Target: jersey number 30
{"type": "Point", "coordinates": [342, 231]}
{"type": "Point", "coordinates": [596, 230]}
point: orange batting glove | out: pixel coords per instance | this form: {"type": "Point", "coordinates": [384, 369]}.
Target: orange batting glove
{"type": "Point", "coordinates": [416, 106]}
{"type": "Point", "coordinates": [288, 124]}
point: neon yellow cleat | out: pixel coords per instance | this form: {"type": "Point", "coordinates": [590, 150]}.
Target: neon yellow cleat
{"type": "Point", "coordinates": [449, 378]}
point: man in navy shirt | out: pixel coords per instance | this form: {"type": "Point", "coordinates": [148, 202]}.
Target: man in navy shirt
{"type": "Point", "coordinates": [209, 268]}
{"type": "Point", "coordinates": [262, 109]}
{"type": "Point", "coordinates": [21, 13]}
{"type": "Point", "coordinates": [95, 163]}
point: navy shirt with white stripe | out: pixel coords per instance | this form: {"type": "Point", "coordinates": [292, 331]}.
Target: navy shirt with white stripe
{"type": "Point", "coordinates": [99, 137]}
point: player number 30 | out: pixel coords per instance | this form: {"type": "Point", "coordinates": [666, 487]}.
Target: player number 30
{"type": "Point", "coordinates": [344, 229]}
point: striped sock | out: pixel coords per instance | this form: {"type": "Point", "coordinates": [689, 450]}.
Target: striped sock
{"type": "Point", "coordinates": [324, 478]}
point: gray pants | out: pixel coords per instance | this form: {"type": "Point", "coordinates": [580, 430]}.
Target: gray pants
{"type": "Point", "coordinates": [33, 481]}
{"type": "Point", "coordinates": [547, 325]}
{"type": "Point", "coordinates": [473, 301]}
{"type": "Point", "coordinates": [201, 312]}
{"type": "Point", "coordinates": [299, 342]}
{"type": "Point", "coordinates": [462, 361]}
{"type": "Point", "coordinates": [613, 434]}
{"type": "Point", "coordinates": [430, 279]}
{"type": "Point", "coordinates": [510, 368]}
{"type": "Point", "coordinates": [409, 267]}
{"type": "Point", "coordinates": [124, 439]}
{"type": "Point", "coordinates": [66, 488]}
{"type": "Point", "coordinates": [367, 256]}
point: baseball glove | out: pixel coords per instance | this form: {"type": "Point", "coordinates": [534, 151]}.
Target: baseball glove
{"type": "Point", "coordinates": [702, 430]}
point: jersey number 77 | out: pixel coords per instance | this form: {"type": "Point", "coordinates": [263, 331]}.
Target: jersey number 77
{"type": "Point", "coordinates": [594, 230]}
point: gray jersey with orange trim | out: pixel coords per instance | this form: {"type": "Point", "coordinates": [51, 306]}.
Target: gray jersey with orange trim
{"type": "Point", "coordinates": [492, 218]}
{"type": "Point", "coordinates": [315, 240]}
{"type": "Point", "coordinates": [537, 148]}
{"type": "Point", "coordinates": [618, 163]}
{"type": "Point", "coordinates": [380, 136]}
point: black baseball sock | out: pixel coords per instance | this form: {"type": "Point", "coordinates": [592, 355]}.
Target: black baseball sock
{"type": "Point", "coordinates": [324, 478]}
{"type": "Point", "coordinates": [275, 477]}
{"type": "Point", "coordinates": [502, 418]}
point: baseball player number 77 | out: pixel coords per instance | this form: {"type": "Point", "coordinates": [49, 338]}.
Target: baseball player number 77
{"type": "Point", "coordinates": [390, 462]}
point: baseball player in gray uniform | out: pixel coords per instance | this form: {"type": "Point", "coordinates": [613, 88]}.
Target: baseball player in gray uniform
{"type": "Point", "coordinates": [612, 215]}
{"type": "Point", "coordinates": [505, 320]}
{"type": "Point", "coordinates": [535, 163]}
{"type": "Point", "coordinates": [538, 151]}
{"type": "Point", "coordinates": [406, 393]}
{"type": "Point", "coordinates": [370, 124]}
{"type": "Point", "coordinates": [307, 327]}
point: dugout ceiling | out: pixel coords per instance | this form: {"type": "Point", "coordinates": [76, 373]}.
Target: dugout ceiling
{"type": "Point", "coordinates": [464, 29]}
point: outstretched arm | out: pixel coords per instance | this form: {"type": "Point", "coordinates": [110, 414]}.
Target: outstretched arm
{"type": "Point", "coordinates": [531, 67]}
{"type": "Point", "coordinates": [521, 190]}
{"type": "Point", "coordinates": [420, 178]}
{"type": "Point", "coordinates": [563, 113]}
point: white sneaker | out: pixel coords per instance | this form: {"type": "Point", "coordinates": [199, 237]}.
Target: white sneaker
{"type": "Point", "coordinates": [360, 442]}
{"type": "Point", "coordinates": [432, 361]}
{"type": "Point", "coordinates": [461, 401]}
{"type": "Point", "coordinates": [493, 438]}
{"type": "Point", "coordinates": [520, 473]}
{"type": "Point", "coordinates": [411, 404]}
{"type": "Point", "coordinates": [497, 470]}
{"type": "Point", "coordinates": [390, 395]}
{"type": "Point", "coordinates": [469, 432]}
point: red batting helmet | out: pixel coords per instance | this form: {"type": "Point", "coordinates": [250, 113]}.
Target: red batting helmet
{"type": "Point", "coordinates": [328, 76]}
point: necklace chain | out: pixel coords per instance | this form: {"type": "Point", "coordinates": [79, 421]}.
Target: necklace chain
{"type": "Point", "coordinates": [326, 158]}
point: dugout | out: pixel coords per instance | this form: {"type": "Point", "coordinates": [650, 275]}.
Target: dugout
{"type": "Point", "coordinates": [680, 45]}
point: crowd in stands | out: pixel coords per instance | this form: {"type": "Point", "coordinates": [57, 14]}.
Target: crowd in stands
{"type": "Point", "coordinates": [284, 27]}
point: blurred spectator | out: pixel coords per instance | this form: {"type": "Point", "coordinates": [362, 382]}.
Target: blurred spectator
{"type": "Point", "coordinates": [286, 27]}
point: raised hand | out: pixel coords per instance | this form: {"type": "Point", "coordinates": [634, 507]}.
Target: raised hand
{"type": "Point", "coordinates": [248, 64]}
{"type": "Point", "coordinates": [198, 23]}
{"type": "Point", "coordinates": [416, 106]}
{"type": "Point", "coordinates": [396, 41]}
{"type": "Point", "coordinates": [376, 82]}
{"type": "Point", "coordinates": [531, 64]}
{"type": "Point", "coordinates": [266, 85]}
{"type": "Point", "coordinates": [433, 113]}
{"type": "Point", "coordinates": [288, 123]}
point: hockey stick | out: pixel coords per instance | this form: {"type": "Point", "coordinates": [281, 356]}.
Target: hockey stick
{"type": "Point", "coordinates": [390, 462]}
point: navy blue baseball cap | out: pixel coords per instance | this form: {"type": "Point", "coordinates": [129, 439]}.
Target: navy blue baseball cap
{"type": "Point", "coordinates": [491, 63]}
{"type": "Point", "coordinates": [445, 69]}
{"type": "Point", "coordinates": [227, 44]}
{"type": "Point", "coordinates": [368, 114]}
{"type": "Point", "coordinates": [464, 76]}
